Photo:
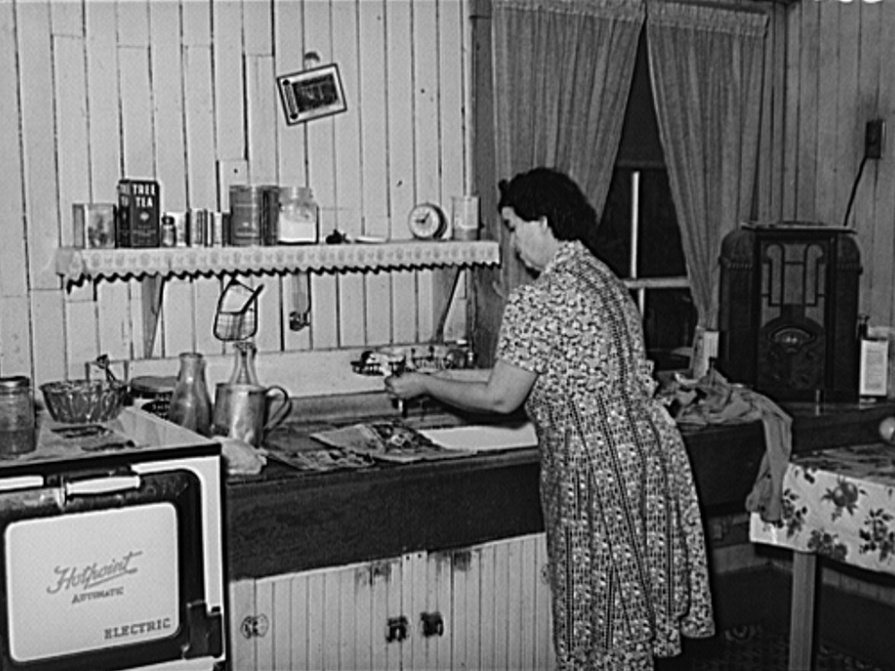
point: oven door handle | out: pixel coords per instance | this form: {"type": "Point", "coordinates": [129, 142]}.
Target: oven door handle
{"type": "Point", "coordinates": [94, 486]}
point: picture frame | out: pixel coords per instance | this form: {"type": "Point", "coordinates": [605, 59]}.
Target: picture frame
{"type": "Point", "coordinates": [311, 94]}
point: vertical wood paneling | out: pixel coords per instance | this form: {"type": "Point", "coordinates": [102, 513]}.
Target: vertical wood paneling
{"type": "Point", "coordinates": [807, 102]}
{"type": "Point", "coordinates": [879, 277]}
{"type": "Point", "coordinates": [401, 138]}
{"type": "Point", "coordinates": [116, 335]}
{"type": "Point", "coordinates": [299, 624]}
{"type": "Point", "coordinates": [15, 313]}
{"type": "Point", "coordinates": [488, 607]}
{"type": "Point", "coordinates": [167, 91]}
{"type": "Point", "coordinates": [241, 654]}
{"type": "Point", "coordinates": [467, 613]}
{"type": "Point", "coordinates": [13, 271]}
{"type": "Point", "coordinates": [281, 625]}
{"type": "Point", "coordinates": [865, 206]}
{"type": "Point", "coordinates": [348, 169]}
{"type": "Point", "coordinates": [372, 110]}
{"type": "Point", "coordinates": [167, 80]}
{"type": "Point", "coordinates": [291, 156]}
{"type": "Point", "coordinates": [427, 148]}
{"type": "Point", "coordinates": [200, 153]}
{"type": "Point", "coordinates": [322, 179]}
{"type": "Point", "coordinates": [439, 571]}
{"type": "Point", "coordinates": [315, 622]}
{"type": "Point", "coordinates": [828, 64]}
{"type": "Point", "coordinates": [69, 70]}
{"type": "Point", "coordinates": [849, 141]}
{"type": "Point", "coordinates": [265, 606]}
{"type": "Point", "coordinates": [841, 59]}
{"type": "Point", "coordinates": [229, 90]}
{"type": "Point", "coordinates": [544, 654]}
{"type": "Point", "coordinates": [362, 611]}
{"type": "Point", "coordinates": [38, 133]}
{"type": "Point", "coordinates": [453, 73]}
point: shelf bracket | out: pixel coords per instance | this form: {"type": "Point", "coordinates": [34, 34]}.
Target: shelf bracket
{"type": "Point", "coordinates": [152, 287]}
{"type": "Point", "coordinates": [445, 288]}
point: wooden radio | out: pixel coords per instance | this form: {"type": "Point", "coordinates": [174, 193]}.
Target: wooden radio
{"type": "Point", "coordinates": [789, 310]}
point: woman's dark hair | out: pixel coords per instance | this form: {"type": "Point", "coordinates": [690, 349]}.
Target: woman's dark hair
{"type": "Point", "coordinates": [546, 192]}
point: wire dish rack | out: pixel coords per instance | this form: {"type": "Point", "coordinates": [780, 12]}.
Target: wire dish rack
{"type": "Point", "coordinates": [236, 316]}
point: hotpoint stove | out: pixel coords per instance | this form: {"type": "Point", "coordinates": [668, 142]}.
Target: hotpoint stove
{"type": "Point", "coordinates": [111, 549]}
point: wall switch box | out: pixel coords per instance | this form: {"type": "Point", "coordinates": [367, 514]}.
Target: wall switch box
{"type": "Point", "coordinates": [873, 138]}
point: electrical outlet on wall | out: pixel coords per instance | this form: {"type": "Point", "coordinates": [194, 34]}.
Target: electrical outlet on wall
{"type": "Point", "coordinates": [873, 138]}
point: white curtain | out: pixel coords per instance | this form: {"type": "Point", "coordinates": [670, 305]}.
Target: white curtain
{"type": "Point", "coordinates": [562, 74]}
{"type": "Point", "coordinates": [707, 70]}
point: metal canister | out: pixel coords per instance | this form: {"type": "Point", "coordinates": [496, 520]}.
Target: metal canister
{"type": "Point", "coordinates": [17, 426]}
{"type": "Point", "coordinates": [251, 209]}
{"type": "Point", "coordinates": [270, 213]}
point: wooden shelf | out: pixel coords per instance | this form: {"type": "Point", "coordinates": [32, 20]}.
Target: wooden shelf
{"type": "Point", "coordinates": [152, 266]}
{"type": "Point", "coordinates": [76, 265]}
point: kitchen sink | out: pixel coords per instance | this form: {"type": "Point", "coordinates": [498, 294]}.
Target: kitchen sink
{"type": "Point", "coordinates": [484, 438]}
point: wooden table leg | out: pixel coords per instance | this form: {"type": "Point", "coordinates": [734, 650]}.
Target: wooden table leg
{"type": "Point", "coordinates": [801, 618]}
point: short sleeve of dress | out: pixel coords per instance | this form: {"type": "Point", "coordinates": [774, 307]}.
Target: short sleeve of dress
{"type": "Point", "coordinates": [524, 338]}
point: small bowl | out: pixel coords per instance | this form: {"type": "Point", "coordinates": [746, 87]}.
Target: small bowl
{"type": "Point", "coordinates": [84, 401]}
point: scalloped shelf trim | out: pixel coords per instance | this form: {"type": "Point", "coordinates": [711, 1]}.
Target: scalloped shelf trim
{"type": "Point", "coordinates": [76, 264]}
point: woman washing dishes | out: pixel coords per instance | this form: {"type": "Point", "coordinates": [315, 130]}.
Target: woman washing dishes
{"type": "Point", "coordinates": [624, 534]}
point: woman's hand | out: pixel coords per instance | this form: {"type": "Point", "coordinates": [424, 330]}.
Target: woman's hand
{"type": "Point", "coordinates": [406, 385]}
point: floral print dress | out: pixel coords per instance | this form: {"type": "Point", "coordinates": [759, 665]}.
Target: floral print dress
{"type": "Point", "coordinates": [624, 533]}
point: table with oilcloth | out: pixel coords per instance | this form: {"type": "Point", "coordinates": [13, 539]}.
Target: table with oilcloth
{"type": "Point", "coordinates": [837, 503]}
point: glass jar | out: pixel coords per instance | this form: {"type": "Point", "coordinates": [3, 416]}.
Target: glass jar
{"type": "Point", "coordinates": [190, 402]}
{"type": "Point", "coordinates": [297, 223]}
{"type": "Point", "coordinates": [17, 427]}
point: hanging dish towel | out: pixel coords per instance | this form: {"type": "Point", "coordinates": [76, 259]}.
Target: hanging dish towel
{"type": "Point", "coordinates": [713, 400]}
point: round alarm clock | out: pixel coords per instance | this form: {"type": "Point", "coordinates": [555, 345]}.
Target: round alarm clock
{"type": "Point", "coordinates": [427, 221]}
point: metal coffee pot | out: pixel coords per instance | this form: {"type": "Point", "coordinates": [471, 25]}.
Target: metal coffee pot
{"type": "Point", "coordinates": [247, 411]}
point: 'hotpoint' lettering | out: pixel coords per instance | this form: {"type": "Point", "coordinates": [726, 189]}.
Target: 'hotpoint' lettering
{"type": "Point", "coordinates": [137, 628]}
{"type": "Point", "coordinates": [93, 575]}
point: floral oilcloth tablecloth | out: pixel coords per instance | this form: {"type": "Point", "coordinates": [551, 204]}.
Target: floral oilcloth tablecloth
{"type": "Point", "coordinates": [838, 503]}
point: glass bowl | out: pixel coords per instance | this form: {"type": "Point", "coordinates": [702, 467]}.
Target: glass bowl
{"type": "Point", "coordinates": [84, 401]}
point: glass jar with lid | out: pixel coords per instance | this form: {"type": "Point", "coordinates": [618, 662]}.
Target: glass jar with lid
{"type": "Point", "coordinates": [17, 426]}
{"type": "Point", "coordinates": [298, 220]}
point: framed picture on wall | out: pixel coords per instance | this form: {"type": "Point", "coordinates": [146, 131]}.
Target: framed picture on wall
{"type": "Point", "coordinates": [311, 94]}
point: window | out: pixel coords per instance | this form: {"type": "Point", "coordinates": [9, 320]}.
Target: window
{"type": "Point", "coordinates": [639, 237]}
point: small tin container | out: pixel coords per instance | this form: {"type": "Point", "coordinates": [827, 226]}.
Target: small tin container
{"type": "Point", "coordinates": [18, 434]}
{"type": "Point", "coordinates": [197, 227]}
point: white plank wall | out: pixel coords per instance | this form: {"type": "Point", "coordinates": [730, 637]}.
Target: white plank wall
{"type": "Point", "coordinates": [840, 73]}
{"type": "Point", "coordinates": [178, 90]}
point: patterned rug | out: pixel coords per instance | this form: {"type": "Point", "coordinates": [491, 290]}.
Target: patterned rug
{"type": "Point", "coordinates": [754, 649]}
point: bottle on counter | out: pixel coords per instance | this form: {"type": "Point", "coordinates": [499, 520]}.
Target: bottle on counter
{"type": "Point", "coordinates": [17, 426]}
{"type": "Point", "coordinates": [243, 372]}
{"type": "Point", "coordinates": [190, 402]}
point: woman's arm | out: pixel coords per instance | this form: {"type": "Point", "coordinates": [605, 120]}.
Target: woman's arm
{"type": "Point", "coordinates": [506, 389]}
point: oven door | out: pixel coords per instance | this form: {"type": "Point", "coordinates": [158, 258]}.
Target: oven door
{"type": "Point", "coordinates": [105, 573]}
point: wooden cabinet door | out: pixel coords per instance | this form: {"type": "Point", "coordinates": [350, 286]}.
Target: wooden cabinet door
{"type": "Point", "coordinates": [501, 606]}
{"type": "Point", "coordinates": [485, 607]}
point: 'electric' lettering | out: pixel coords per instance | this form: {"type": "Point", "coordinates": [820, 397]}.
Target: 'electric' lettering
{"type": "Point", "coordinates": [137, 628]}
